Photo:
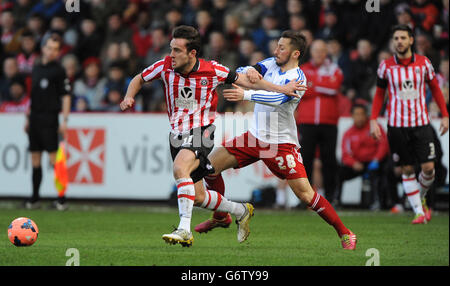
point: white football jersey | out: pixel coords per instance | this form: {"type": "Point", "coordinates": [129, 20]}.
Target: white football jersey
{"type": "Point", "coordinates": [273, 118]}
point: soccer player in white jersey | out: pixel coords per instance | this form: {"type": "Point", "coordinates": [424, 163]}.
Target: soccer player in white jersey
{"type": "Point", "coordinates": [272, 136]}
{"type": "Point", "coordinates": [410, 135]}
{"type": "Point", "coordinates": [190, 89]}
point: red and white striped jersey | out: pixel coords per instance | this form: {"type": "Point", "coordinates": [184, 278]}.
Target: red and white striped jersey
{"type": "Point", "coordinates": [406, 105]}
{"type": "Point", "coordinates": [191, 99]}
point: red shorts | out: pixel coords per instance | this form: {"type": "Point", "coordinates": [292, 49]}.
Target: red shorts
{"type": "Point", "coordinates": [284, 160]}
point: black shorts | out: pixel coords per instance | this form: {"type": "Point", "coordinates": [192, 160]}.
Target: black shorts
{"type": "Point", "coordinates": [43, 133]}
{"type": "Point", "coordinates": [201, 142]}
{"type": "Point", "coordinates": [411, 145]}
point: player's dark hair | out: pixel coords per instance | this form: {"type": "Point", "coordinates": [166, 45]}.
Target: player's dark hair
{"type": "Point", "coordinates": [405, 28]}
{"type": "Point", "coordinates": [298, 41]}
{"type": "Point", "coordinates": [191, 35]}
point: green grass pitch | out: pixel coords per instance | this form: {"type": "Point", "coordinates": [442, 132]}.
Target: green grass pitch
{"type": "Point", "coordinates": [124, 235]}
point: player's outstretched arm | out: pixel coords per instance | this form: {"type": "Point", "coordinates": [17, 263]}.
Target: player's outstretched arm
{"type": "Point", "coordinates": [259, 96]}
{"type": "Point", "coordinates": [262, 84]}
{"type": "Point", "coordinates": [133, 88]}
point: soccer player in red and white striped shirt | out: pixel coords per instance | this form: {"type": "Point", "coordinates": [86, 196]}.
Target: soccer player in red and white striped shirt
{"type": "Point", "coordinates": [190, 89]}
{"type": "Point", "coordinates": [410, 135]}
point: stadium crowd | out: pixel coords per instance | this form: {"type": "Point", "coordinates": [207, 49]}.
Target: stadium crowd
{"type": "Point", "coordinates": [107, 42]}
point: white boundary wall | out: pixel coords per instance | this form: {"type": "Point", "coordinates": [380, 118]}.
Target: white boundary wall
{"type": "Point", "coordinates": [126, 156]}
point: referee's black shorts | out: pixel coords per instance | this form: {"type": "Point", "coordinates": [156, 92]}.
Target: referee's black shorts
{"type": "Point", "coordinates": [43, 133]}
{"type": "Point", "coordinates": [200, 141]}
{"type": "Point", "coordinates": [411, 145]}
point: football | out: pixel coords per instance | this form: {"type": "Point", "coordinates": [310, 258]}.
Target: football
{"type": "Point", "coordinates": [23, 232]}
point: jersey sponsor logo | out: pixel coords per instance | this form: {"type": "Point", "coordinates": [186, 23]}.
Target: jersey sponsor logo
{"type": "Point", "coordinates": [186, 99]}
{"type": "Point", "coordinates": [408, 91]}
{"type": "Point", "coordinates": [86, 155]}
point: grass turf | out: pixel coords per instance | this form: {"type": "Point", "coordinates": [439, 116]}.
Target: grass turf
{"type": "Point", "coordinates": [132, 236]}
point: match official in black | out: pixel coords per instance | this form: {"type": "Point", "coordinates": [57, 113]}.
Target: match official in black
{"type": "Point", "coordinates": [50, 91]}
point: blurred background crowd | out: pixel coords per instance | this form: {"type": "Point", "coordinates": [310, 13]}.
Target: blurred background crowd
{"type": "Point", "coordinates": [107, 42]}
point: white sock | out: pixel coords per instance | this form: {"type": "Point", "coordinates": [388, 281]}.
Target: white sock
{"type": "Point", "coordinates": [425, 183]}
{"type": "Point", "coordinates": [186, 197]}
{"type": "Point", "coordinates": [216, 202]}
{"type": "Point", "coordinates": [411, 187]}
{"type": "Point", "coordinates": [281, 197]}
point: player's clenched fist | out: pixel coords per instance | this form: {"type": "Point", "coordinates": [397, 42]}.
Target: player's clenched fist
{"type": "Point", "coordinates": [126, 103]}
{"type": "Point", "coordinates": [253, 75]}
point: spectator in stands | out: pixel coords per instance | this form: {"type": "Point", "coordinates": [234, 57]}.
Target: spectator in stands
{"type": "Point", "coordinates": [338, 56]}
{"type": "Point", "coordinates": [159, 48]}
{"type": "Point", "coordinates": [90, 40]}
{"type": "Point", "coordinates": [425, 14]}
{"type": "Point", "coordinates": [81, 104]}
{"type": "Point", "coordinates": [278, 10]}
{"type": "Point", "coordinates": [190, 11]}
{"type": "Point", "coordinates": [217, 50]}
{"type": "Point", "coordinates": [377, 26]}
{"type": "Point", "coordinates": [18, 101]}
{"type": "Point", "coordinates": [29, 53]}
{"type": "Point", "coordinates": [317, 114]}
{"type": "Point", "coordinates": [113, 98]}
{"type": "Point", "coordinates": [21, 9]}
{"type": "Point", "coordinates": [204, 25]}
{"type": "Point", "coordinates": [116, 78]}
{"type": "Point", "coordinates": [10, 35]}
{"type": "Point", "coordinates": [10, 70]}
{"type": "Point", "coordinates": [36, 25]}
{"type": "Point", "coordinates": [233, 32]}
{"type": "Point", "coordinates": [246, 49]}
{"type": "Point", "coordinates": [71, 65]}
{"type": "Point", "coordinates": [443, 80]}
{"type": "Point", "coordinates": [331, 29]}
{"type": "Point", "coordinates": [269, 30]}
{"type": "Point", "coordinates": [91, 85]}
{"type": "Point", "coordinates": [249, 13]}
{"type": "Point", "coordinates": [294, 7]}
{"type": "Point", "coordinates": [362, 72]}
{"type": "Point", "coordinates": [404, 15]}
{"type": "Point", "coordinates": [218, 13]}
{"type": "Point", "coordinates": [297, 22]}
{"type": "Point", "coordinates": [174, 18]}
{"type": "Point", "coordinates": [424, 47]}
{"type": "Point", "coordinates": [362, 155]}
{"type": "Point", "coordinates": [142, 38]}
{"type": "Point", "coordinates": [116, 31]}
{"type": "Point", "coordinates": [48, 8]}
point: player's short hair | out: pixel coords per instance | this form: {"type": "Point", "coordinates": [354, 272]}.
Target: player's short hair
{"type": "Point", "coordinates": [191, 35]}
{"type": "Point", "coordinates": [405, 28]}
{"type": "Point", "coordinates": [298, 41]}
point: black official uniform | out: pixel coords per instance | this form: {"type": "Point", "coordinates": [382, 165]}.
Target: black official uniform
{"type": "Point", "coordinates": [49, 84]}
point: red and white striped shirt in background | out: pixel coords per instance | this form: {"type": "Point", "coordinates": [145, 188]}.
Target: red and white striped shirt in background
{"type": "Point", "coordinates": [405, 81]}
{"type": "Point", "coordinates": [191, 99]}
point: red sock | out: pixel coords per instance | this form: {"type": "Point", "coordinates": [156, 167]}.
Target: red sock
{"type": "Point", "coordinates": [324, 209]}
{"type": "Point", "coordinates": [217, 184]}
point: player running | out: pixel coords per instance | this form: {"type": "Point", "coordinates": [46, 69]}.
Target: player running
{"type": "Point", "coordinates": [272, 136]}
{"type": "Point", "coordinates": [409, 132]}
{"type": "Point", "coordinates": [190, 88]}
